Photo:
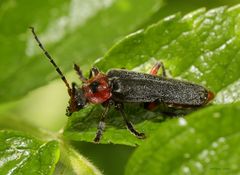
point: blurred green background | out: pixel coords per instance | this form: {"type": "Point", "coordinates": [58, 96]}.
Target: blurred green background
{"type": "Point", "coordinates": [76, 31]}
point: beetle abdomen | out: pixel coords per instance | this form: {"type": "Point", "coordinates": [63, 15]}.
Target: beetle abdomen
{"type": "Point", "coordinates": [128, 86]}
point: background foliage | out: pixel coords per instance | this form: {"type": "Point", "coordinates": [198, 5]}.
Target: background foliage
{"type": "Point", "coordinates": [202, 47]}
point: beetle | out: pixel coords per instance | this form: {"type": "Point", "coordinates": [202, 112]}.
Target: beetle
{"type": "Point", "coordinates": [119, 86]}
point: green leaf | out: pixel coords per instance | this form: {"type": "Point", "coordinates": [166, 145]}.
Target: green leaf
{"type": "Point", "coordinates": [206, 142]}
{"type": "Point", "coordinates": [72, 163]}
{"type": "Point", "coordinates": [72, 31]}
{"type": "Point", "coordinates": [185, 6]}
{"type": "Point", "coordinates": [22, 154]}
{"type": "Point", "coordinates": [201, 47]}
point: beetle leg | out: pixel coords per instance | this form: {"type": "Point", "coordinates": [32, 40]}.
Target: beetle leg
{"type": "Point", "coordinates": [129, 125]}
{"type": "Point", "coordinates": [151, 105]}
{"type": "Point", "coordinates": [93, 72]}
{"type": "Point", "coordinates": [73, 88]}
{"type": "Point", "coordinates": [101, 124]}
{"type": "Point", "coordinates": [156, 68]}
{"type": "Point", "coordinates": [72, 94]}
{"type": "Point", "coordinates": [79, 72]}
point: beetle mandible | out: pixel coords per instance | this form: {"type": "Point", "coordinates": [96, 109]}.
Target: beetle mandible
{"type": "Point", "coordinates": [119, 86]}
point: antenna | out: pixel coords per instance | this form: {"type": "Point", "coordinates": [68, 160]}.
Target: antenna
{"type": "Point", "coordinates": [51, 60]}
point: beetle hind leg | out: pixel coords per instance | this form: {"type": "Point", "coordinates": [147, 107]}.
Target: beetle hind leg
{"type": "Point", "coordinates": [151, 106]}
{"type": "Point", "coordinates": [156, 68]}
{"type": "Point", "coordinates": [129, 125]}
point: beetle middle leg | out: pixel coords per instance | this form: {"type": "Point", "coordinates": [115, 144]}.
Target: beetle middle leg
{"type": "Point", "coordinates": [156, 68]}
{"type": "Point", "coordinates": [129, 125]}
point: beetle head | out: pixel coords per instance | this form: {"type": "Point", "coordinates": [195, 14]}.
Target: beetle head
{"type": "Point", "coordinates": [77, 100]}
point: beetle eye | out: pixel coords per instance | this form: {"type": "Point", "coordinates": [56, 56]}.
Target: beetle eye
{"type": "Point", "coordinates": [94, 86]}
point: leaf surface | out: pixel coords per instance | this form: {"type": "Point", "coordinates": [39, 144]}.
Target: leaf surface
{"type": "Point", "coordinates": [22, 154]}
{"type": "Point", "coordinates": [73, 163]}
{"type": "Point", "coordinates": [14, 156]}
{"type": "Point", "coordinates": [201, 47]}
{"type": "Point", "coordinates": [205, 142]}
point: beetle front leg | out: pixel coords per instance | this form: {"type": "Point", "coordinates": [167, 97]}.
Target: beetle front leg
{"type": "Point", "coordinates": [79, 72]}
{"type": "Point", "coordinates": [156, 68]}
{"type": "Point", "coordinates": [101, 124]}
{"type": "Point", "coordinates": [93, 72]}
{"type": "Point", "coordinates": [129, 125]}
{"type": "Point", "coordinates": [72, 95]}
